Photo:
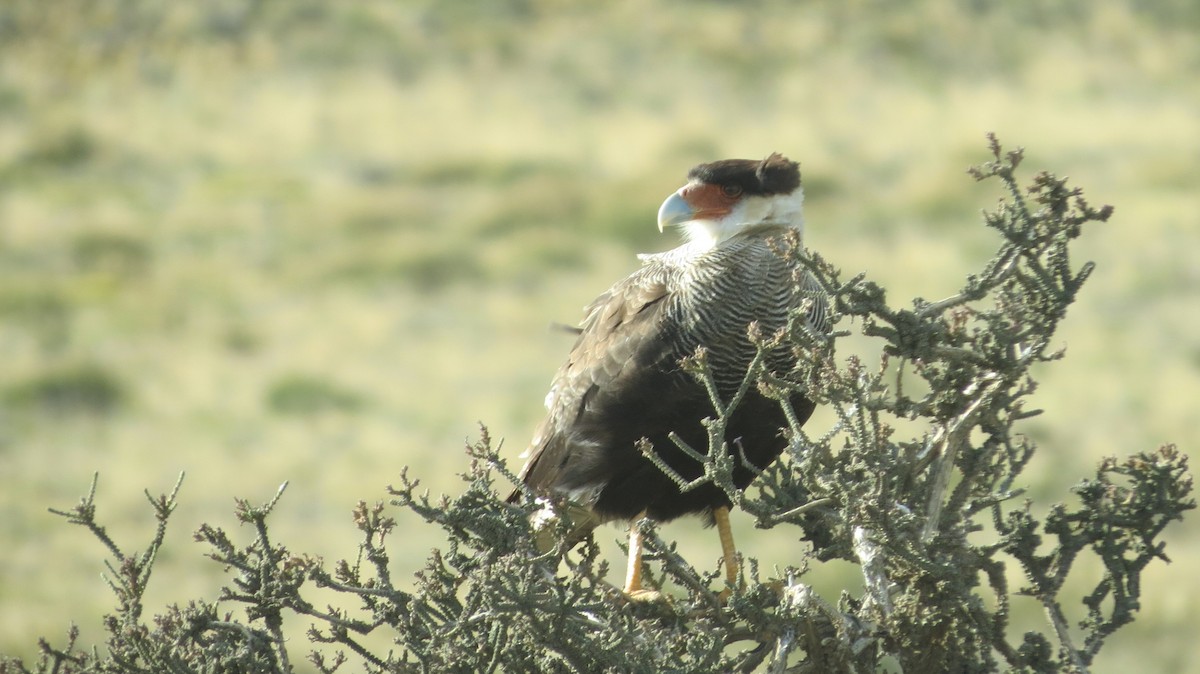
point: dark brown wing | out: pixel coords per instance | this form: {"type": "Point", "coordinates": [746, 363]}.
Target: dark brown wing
{"type": "Point", "coordinates": [621, 336]}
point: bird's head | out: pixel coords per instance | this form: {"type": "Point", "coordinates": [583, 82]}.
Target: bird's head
{"type": "Point", "coordinates": [731, 196]}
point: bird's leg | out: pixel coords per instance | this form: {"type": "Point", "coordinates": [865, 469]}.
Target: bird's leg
{"type": "Point", "coordinates": [633, 574]}
{"type": "Point", "coordinates": [728, 550]}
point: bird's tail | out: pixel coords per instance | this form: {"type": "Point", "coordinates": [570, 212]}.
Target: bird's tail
{"type": "Point", "coordinates": [570, 522]}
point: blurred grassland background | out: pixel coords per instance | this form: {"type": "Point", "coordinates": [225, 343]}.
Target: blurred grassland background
{"type": "Point", "coordinates": [315, 242]}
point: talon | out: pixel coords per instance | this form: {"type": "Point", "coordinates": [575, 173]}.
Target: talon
{"type": "Point", "coordinates": [646, 597]}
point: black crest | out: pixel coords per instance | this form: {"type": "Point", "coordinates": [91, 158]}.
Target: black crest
{"type": "Point", "coordinates": [773, 175]}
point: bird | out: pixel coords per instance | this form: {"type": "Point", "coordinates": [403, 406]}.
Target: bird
{"type": "Point", "coordinates": [625, 383]}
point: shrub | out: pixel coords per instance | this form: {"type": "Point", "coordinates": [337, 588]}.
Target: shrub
{"type": "Point", "coordinates": [81, 389]}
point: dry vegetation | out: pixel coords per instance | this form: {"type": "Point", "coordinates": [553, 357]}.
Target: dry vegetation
{"type": "Point", "coordinates": [268, 241]}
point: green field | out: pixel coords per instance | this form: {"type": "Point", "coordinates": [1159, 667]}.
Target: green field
{"type": "Point", "coordinates": [314, 242]}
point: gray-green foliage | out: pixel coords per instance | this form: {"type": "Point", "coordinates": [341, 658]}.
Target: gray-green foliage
{"type": "Point", "coordinates": [934, 517]}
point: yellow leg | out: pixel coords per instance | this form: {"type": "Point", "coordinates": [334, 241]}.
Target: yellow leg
{"type": "Point", "coordinates": [728, 550]}
{"type": "Point", "coordinates": [633, 574]}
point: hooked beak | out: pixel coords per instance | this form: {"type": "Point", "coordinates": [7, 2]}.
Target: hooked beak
{"type": "Point", "coordinates": [674, 211]}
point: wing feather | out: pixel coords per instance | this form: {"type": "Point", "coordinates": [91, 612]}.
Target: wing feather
{"type": "Point", "coordinates": [620, 335]}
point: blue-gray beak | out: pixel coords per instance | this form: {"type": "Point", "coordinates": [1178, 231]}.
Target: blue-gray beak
{"type": "Point", "coordinates": [675, 210]}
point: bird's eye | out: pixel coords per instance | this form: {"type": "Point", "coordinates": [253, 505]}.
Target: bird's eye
{"type": "Point", "coordinates": [731, 191]}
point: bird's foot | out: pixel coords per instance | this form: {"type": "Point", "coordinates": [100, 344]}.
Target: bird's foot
{"type": "Point", "coordinates": [724, 595]}
{"type": "Point", "coordinates": [776, 587]}
{"type": "Point", "coordinates": [645, 596]}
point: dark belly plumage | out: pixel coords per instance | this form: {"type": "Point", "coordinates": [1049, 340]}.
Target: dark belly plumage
{"type": "Point", "coordinates": [652, 408]}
